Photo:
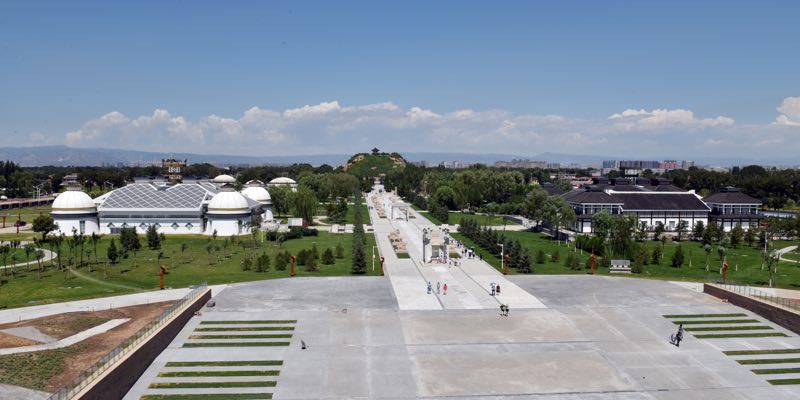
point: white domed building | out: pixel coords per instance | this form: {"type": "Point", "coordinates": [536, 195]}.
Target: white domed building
{"type": "Point", "coordinates": [230, 213]}
{"type": "Point", "coordinates": [283, 182]}
{"type": "Point", "coordinates": [254, 190]}
{"type": "Point", "coordinates": [74, 212]}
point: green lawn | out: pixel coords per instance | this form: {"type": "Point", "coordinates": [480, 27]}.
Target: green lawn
{"type": "Point", "coordinates": [349, 218]}
{"type": "Point", "coordinates": [744, 262]}
{"type": "Point", "coordinates": [140, 272]}
{"type": "Point", "coordinates": [26, 214]}
{"type": "Point", "coordinates": [224, 396]}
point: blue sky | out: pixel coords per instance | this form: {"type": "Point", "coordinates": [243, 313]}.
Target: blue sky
{"type": "Point", "coordinates": [511, 77]}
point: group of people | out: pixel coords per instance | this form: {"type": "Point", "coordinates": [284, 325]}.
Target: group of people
{"type": "Point", "coordinates": [495, 287]}
{"type": "Point", "coordinates": [504, 310]}
{"type": "Point", "coordinates": [440, 289]}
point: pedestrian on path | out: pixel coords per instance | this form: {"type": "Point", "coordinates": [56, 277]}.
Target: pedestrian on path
{"type": "Point", "coordinates": [430, 288]}
{"type": "Point", "coordinates": [438, 286]}
{"type": "Point", "coordinates": [445, 289]}
{"type": "Point", "coordinates": [497, 288]}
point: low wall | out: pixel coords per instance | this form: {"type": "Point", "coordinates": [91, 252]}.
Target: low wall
{"type": "Point", "coordinates": [115, 383]}
{"type": "Point", "coordinates": [781, 316]}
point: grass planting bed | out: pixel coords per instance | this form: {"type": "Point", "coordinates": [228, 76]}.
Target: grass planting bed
{"type": "Point", "coordinates": [769, 361]}
{"type": "Point", "coordinates": [226, 396]}
{"type": "Point", "coordinates": [276, 336]}
{"type": "Point", "coordinates": [177, 374]}
{"type": "Point", "coordinates": [255, 321]}
{"type": "Point", "coordinates": [257, 363]}
{"type": "Point", "coordinates": [776, 371]}
{"type": "Point", "coordinates": [671, 316]}
{"type": "Point", "coordinates": [208, 385]}
{"type": "Point", "coordinates": [728, 328]}
{"type": "Point", "coordinates": [718, 321]}
{"type": "Point", "coordinates": [253, 328]}
{"type": "Point", "coordinates": [784, 381]}
{"type": "Point", "coordinates": [760, 352]}
{"type": "Point", "coordinates": [740, 335]}
{"type": "Point", "coordinates": [237, 344]}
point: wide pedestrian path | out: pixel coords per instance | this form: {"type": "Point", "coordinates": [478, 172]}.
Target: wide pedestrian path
{"type": "Point", "coordinates": [468, 284]}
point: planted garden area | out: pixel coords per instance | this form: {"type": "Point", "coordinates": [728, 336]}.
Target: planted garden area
{"type": "Point", "coordinates": [656, 258]}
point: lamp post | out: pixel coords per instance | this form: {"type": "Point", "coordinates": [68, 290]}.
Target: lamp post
{"type": "Point", "coordinates": [502, 259]}
{"type": "Point", "coordinates": [424, 243]}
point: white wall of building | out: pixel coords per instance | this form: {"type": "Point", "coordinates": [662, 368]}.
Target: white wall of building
{"type": "Point", "coordinates": [167, 227]}
{"type": "Point", "coordinates": [228, 226]}
{"type": "Point", "coordinates": [82, 224]}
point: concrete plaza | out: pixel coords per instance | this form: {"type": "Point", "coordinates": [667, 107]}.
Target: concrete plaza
{"type": "Point", "coordinates": [598, 337]}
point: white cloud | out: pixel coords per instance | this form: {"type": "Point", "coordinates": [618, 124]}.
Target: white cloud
{"type": "Point", "coordinates": [790, 112]}
{"type": "Point", "coordinates": [330, 127]}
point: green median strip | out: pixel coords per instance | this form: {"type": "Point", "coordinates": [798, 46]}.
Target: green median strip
{"type": "Point", "coordinates": [769, 361]}
{"type": "Point", "coordinates": [254, 321]}
{"type": "Point", "coordinates": [257, 363]}
{"type": "Point", "coordinates": [740, 335]}
{"type": "Point", "coordinates": [266, 336]}
{"type": "Point", "coordinates": [236, 344]}
{"type": "Point", "coordinates": [760, 352]}
{"type": "Point", "coordinates": [717, 321]}
{"type": "Point", "coordinates": [776, 371]}
{"type": "Point", "coordinates": [218, 373]}
{"type": "Point", "coordinates": [704, 315]}
{"type": "Point", "coordinates": [728, 328]}
{"type": "Point", "coordinates": [226, 396]}
{"type": "Point", "coordinates": [254, 328]}
{"type": "Point", "coordinates": [202, 385]}
{"type": "Point", "coordinates": [784, 381]}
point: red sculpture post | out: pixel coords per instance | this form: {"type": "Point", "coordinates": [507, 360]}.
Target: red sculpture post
{"type": "Point", "coordinates": [724, 272]}
{"type": "Point", "coordinates": [506, 259]}
{"type": "Point", "coordinates": [593, 259]}
{"type": "Point", "coordinates": [292, 273]}
{"type": "Point", "coordinates": [382, 266]}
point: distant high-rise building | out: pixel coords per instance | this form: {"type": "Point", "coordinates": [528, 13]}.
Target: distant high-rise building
{"type": "Point", "coordinates": [686, 164]}
{"type": "Point", "coordinates": [669, 164]}
{"type": "Point", "coordinates": [172, 168]}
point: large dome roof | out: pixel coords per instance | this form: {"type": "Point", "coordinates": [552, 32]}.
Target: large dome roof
{"type": "Point", "coordinates": [282, 181]}
{"type": "Point", "coordinates": [73, 201]}
{"type": "Point", "coordinates": [224, 179]}
{"type": "Point", "coordinates": [228, 202]}
{"type": "Point", "coordinates": [257, 193]}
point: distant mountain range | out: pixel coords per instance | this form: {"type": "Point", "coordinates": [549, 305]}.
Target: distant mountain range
{"type": "Point", "coordinates": [72, 156]}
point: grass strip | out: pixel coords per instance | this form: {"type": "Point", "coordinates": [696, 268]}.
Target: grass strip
{"type": "Point", "coordinates": [218, 373]}
{"type": "Point", "coordinates": [740, 335]}
{"type": "Point", "coordinates": [225, 396]}
{"type": "Point", "coordinates": [728, 328]}
{"type": "Point", "coordinates": [257, 363]}
{"type": "Point", "coordinates": [719, 321]}
{"type": "Point", "coordinates": [760, 352]}
{"type": "Point", "coordinates": [769, 361]}
{"type": "Point", "coordinates": [776, 371]}
{"type": "Point", "coordinates": [255, 328]}
{"type": "Point", "coordinates": [704, 315]}
{"type": "Point", "coordinates": [784, 381]}
{"type": "Point", "coordinates": [254, 321]}
{"type": "Point", "coordinates": [265, 336]}
{"type": "Point", "coordinates": [236, 344]}
{"type": "Point", "coordinates": [207, 385]}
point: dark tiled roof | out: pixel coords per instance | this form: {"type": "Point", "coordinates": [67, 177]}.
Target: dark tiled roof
{"type": "Point", "coordinates": [590, 196]}
{"type": "Point", "coordinates": [731, 197]}
{"type": "Point", "coordinates": [551, 189]}
{"type": "Point", "coordinates": [661, 201]}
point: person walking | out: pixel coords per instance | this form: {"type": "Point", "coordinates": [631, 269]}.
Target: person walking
{"type": "Point", "coordinates": [430, 288]}
{"type": "Point", "coordinates": [445, 289]}
{"type": "Point", "coordinates": [438, 286]}
{"type": "Point", "coordinates": [506, 314]}
{"type": "Point", "coordinates": [679, 336]}
{"type": "Point", "coordinates": [497, 288]}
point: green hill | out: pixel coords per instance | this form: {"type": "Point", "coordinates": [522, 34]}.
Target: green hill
{"type": "Point", "coordinates": [374, 164]}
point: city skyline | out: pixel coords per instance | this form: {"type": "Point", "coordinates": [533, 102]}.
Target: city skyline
{"type": "Point", "coordinates": [653, 80]}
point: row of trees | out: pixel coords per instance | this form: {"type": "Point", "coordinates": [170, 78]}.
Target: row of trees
{"type": "Point", "coordinates": [359, 238]}
{"type": "Point", "coordinates": [519, 257]}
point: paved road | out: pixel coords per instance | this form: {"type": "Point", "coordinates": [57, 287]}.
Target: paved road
{"type": "Point", "coordinates": [468, 283]}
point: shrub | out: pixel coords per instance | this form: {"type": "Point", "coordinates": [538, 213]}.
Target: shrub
{"type": "Point", "coordinates": [339, 250]}
{"type": "Point", "coordinates": [656, 259]}
{"type": "Point", "coordinates": [540, 257]}
{"type": "Point", "coordinates": [677, 257]}
{"type": "Point", "coordinates": [555, 256]}
{"type": "Point", "coordinates": [311, 264]}
{"type": "Point", "coordinates": [327, 257]}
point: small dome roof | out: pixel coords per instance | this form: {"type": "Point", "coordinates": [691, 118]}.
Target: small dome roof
{"type": "Point", "coordinates": [255, 182]}
{"type": "Point", "coordinates": [257, 193]}
{"type": "Point", "coordinates": [228, 202]}
{"type": "Point", "coordinates": [74, 201]}
{"type": "Point", "coordinates": [283, 181]}
{"type": "Point", "coordinates": [224, 179]}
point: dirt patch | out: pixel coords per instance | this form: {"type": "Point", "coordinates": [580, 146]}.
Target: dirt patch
{"type": "Point", "coordinates": [7, 341]}
{"type": "Point", "coordinates": [50, 370]}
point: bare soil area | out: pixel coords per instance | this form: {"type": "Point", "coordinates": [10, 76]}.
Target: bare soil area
{"type": "Point", "coordinates": [7, 341]}
{"type": "Point", "coordinates": [51, 369]}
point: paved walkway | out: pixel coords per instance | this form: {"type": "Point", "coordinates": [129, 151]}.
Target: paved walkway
{"type": "Point", "coordinates": [48, 255]}
{"type": "Point", "coordinates": [468, 284]}
{"type": "Point", "coordinates": [105, 303]}
{"type": "Point", "coordinates": [68, 341]}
